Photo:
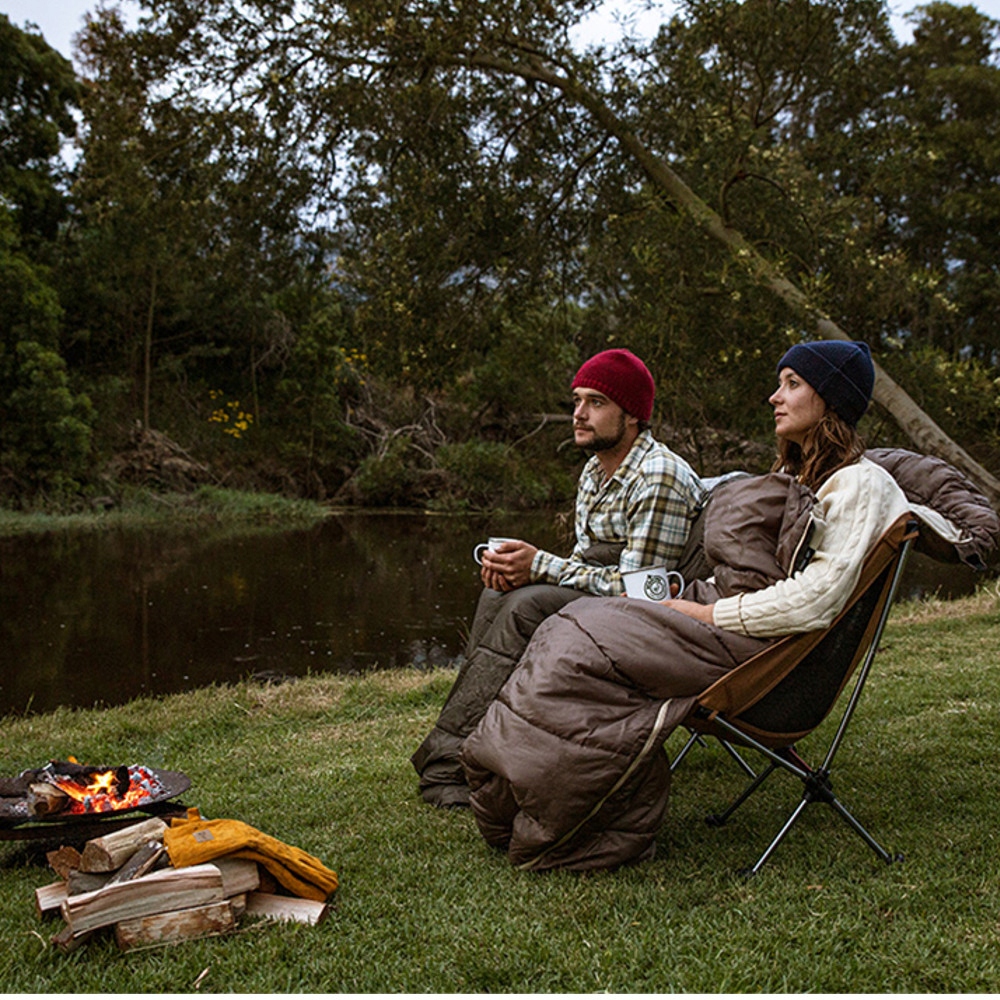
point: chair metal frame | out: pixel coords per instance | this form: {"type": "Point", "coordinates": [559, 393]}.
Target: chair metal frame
{"type": "Point", "coordinates": [721, 709]}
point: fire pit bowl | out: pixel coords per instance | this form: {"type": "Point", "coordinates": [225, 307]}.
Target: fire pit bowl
{"type": "Point", "coordinates": [172, 784]}
{"type": "Point", "coordinates": [84, 795]}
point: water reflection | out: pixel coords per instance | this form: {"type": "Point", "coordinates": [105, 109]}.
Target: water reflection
{"type": "Point", "coordinates": [105, 617]}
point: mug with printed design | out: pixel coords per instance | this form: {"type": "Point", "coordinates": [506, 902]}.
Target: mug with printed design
{"type": "Point", "coordinates": [653, 583]}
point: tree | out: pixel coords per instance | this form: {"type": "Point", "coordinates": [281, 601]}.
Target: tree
{"type": "Point", "coordinates": [937, 178]}
{"type": "Point", "coordinates": [45, 425]}
{"type": "Point", "coordinates": [384, 85]}
{"type": "Point", "coordinates": [38, 93]}
{"type": "Point", "coordinates": [187, 227]}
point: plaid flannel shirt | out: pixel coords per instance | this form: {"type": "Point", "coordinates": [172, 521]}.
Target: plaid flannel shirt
{"type": "Point", "coordinates": [648, 504]}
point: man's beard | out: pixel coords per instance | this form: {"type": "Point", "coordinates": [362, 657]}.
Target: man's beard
{"type": "Point", "coordinates": [606, 443]}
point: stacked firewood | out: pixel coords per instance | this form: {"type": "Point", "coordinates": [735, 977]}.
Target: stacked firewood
{"type": "Point", "coordinates": [123, 883]}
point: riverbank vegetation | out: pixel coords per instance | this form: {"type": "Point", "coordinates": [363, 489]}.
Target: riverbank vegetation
{"type": "Point", "coordinates": [353, 253]}
{"type": "Point", "coordinates": [425, 906]}
{"type": "Point", "coordinates": [205, 505]}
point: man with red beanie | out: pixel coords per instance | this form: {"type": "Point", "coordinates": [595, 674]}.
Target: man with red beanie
{"type": "Point", "coordinates": [635, 504]}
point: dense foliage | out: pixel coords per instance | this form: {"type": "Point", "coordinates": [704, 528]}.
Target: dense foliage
{"type": "Point", "coordinates": [356, 249]}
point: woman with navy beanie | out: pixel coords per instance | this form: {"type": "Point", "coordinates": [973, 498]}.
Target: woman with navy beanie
{"type": "Point", "coordinates": [842, 377]}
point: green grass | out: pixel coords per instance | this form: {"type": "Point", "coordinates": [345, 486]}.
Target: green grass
{"type": "Point", "coordinates": [147, 508]}
{"type": "Point", "coordinates": [425, 905]}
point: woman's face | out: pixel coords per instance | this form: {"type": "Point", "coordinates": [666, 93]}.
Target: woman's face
{"type": "Point", "coordinates": [798, 407]}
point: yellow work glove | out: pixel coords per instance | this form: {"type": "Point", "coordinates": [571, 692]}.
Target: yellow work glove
{"type": "Point", "coordinates": [193, 841]}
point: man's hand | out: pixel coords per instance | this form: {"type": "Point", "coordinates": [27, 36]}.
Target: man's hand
{"type": "Point", "coordinates": [509, 567]}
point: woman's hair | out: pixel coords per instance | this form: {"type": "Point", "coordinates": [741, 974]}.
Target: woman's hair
{"type": "Point", "coordinates": [828, 446]}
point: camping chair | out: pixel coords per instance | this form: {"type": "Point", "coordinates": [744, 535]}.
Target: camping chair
{"type": "Point", "coordinates": [782, 694]}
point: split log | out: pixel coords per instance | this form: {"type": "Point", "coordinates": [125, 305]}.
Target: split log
{"type": "Point", "coordinates": [239, 875]}
{"type": "Point", "coordinates": [141, 862]}
{"type": "Point", "coordinates": [180, 925]}
{"type": "Point", "coordinates": [160, 892]}
{"type": "Point", "coordinates": [80, 882]}
{"type": "Point", "coordinates": [110, 852]}
{"type": "Point", "coordinates": [63, 861]}
{"type": "Point", "coordinates": [46, 800]}
{"type": "Point", "coordinates": [48, 898]}
{"type": "Point", "coordinates": [66, 941]}
{"type": "Point", "coordinates": [302, 911]}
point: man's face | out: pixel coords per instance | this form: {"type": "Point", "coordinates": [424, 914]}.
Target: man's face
{"type": "Point", "coordinates": [599, 424]}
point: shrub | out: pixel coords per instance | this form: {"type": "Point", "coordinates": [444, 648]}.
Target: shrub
{"type": "Point", "coordinates": [488, 474]}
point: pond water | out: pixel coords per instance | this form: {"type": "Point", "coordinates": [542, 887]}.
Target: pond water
{"type": "Point", "coordinates": [103, 617]}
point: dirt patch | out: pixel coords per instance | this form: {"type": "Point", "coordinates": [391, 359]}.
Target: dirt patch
{"type": "Point", "coordinates": [151, 458]}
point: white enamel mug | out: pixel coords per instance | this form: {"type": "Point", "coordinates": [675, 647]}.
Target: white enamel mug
{"type": "Point", "coordinates": [493, 544]}
{"type": "Point", "coordinates": [652, 583]}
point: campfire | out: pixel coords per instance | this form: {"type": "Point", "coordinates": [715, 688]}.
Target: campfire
{"type": "Point", "coordinates": [144, 880]}
{"type": "Point", "coordinates": [68, 788]}
{"type": "Point", "coordinates": [65, 790]}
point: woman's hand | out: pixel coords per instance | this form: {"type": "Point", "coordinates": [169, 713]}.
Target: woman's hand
{"type": "Point", "coordinates": [700, 612]}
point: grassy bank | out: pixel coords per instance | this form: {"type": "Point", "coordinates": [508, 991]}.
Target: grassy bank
{"type": "Point", "coordinates": [424, 905]}
{"type": "Point", "coordinates": [147, 508]}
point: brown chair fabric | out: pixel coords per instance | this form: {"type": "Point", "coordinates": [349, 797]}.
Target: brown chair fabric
{"type": "Point", "coordinates": [788, 689]}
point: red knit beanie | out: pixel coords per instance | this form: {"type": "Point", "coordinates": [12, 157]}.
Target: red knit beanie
{"type": "Point", "coordinates": [623, 378]}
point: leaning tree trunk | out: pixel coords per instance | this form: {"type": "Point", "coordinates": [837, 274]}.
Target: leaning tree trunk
{"type": "Point", "coordinates": [917, 425]}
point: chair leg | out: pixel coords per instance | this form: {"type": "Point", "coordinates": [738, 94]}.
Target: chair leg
{"type": "Point", "coordinates": [729, 748]}
{"type": "Point", "coordinates": [770, 849]}
{"type": "Point", "coordinates": [692, 739]}
{"type": "Point", "coordinates": [735, 754]}
{"type": "Point", "coordinates": [862, 832]}
{"type": "Point", "coordinates": [720, 819]}
{"type": "Point", "coordinates": [819, 789]}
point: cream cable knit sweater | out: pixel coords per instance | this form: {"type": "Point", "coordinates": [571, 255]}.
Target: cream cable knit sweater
{"type": "Point", "coordinates": [853, 509]}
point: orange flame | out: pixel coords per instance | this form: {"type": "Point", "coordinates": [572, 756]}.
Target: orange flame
{"type": "Point", "coordinates": [100, 794]}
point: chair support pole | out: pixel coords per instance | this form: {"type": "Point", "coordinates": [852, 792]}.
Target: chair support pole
{"type": "Point", "coordinates": [770, 849]}
{"type": "Point", "coordinates": [869, 656]}
{"type": "Point", "coordinates": [718, 819]}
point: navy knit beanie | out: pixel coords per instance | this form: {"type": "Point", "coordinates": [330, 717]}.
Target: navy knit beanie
{"type": "Point", "coordinates": [623, 378]}
{"type": "Point", "coordinates": [841, 371]}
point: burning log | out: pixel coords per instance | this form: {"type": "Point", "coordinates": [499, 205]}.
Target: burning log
{"type": "Point", "coordinates": [66, 790]}
{"type": "Point", "coordinates": [98, 790]}
{"type": "Point", "coordinates": [46, 800]}
{"type": "Point", "coordinates": [110, 852]}
{"type": "Point", "coordinates": [115, 780]}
